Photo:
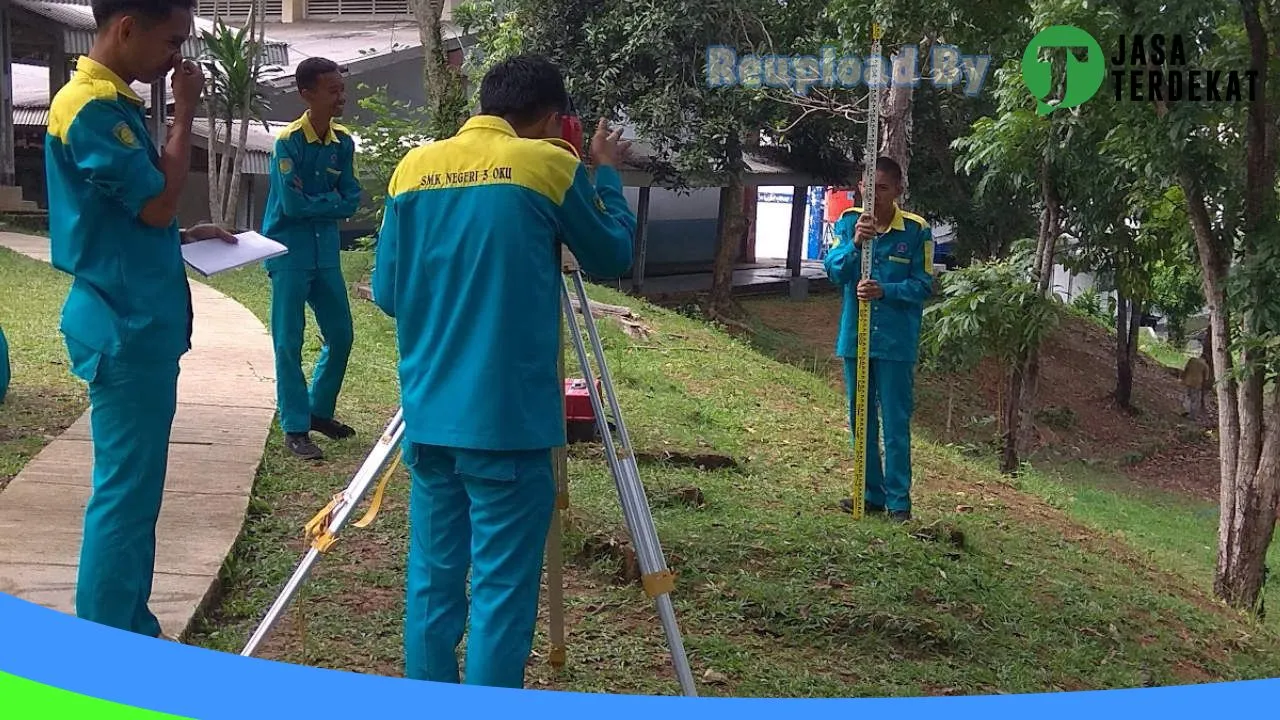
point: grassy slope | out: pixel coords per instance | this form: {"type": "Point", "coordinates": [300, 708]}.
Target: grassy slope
{"type": "Point", "coordinates": [43, 397]}
{"type": "Point", "coordinates": [1166, 511]}
{"type": "Point", "coordinates": [780, 594]}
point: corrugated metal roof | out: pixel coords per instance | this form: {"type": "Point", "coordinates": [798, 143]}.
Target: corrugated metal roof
{"type": "Point", "coordinates": [78, 27]}
{"type": "Point", "coordinates": [259, 143]}
{"type": "Point", "coordinates": [34, 117]}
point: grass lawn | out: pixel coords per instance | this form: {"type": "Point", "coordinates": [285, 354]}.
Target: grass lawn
{"type": "Point", "coordinates": [990, 589]}
{"type": "Point", "coordinates": [44, 397]}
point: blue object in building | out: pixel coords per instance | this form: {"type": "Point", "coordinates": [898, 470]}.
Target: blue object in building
{"type": "Point", "coordinates": [4, 365]}
{"type": "Point", "coordinates": [817, 196]}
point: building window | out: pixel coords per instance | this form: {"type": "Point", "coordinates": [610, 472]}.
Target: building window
{"type": "Point", "coordinates": [235, 12]}
{"type": "Point", "coordinates": [357, 8]}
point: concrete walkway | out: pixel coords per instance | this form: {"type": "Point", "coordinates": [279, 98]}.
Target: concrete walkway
{"type": "Point", "coordinates": [226, 404]}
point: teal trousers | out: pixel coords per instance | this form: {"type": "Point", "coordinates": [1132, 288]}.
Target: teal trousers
{"type": "Point", "coordinates": [4, 365]}
{"type": "Point", "coordinates": [132, 405]}
{"type": "Point", "coordinates": [488, 512]}
{"type": "Point", "coordinates": [325, 291]}
{"type": "Point", "coordinates": [891, 386]}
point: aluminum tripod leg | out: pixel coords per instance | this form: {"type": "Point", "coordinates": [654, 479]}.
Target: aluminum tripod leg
{"type": "Point", "coordinates": [345, 504]}
{"type": "Point", "coordinates": [626, 477]}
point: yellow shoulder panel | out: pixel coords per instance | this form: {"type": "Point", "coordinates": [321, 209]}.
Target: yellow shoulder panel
{"type": "Point", "coordinates": [72, 98]}
{"type": "Point", "coordinates": [289, 129]}
{"type": "Point", "coordinates": [912, 216]}
{"type": "Point", "coordinates": [851, 210]}
{"type": "Point", "coordinates": [461, 161]}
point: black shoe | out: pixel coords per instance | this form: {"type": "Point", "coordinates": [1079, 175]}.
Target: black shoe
{"type": "Point", "coordinates": [899, 516]}
{"type": "Point", "coordinates": [300, 444]}
{"type": "Point", "coordinates": [330, 428]}
{"type": "Point", "coordinates": [868, 508]}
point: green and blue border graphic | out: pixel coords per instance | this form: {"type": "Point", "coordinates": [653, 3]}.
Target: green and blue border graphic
{"type": "Point", "coordinates": [57, 666]}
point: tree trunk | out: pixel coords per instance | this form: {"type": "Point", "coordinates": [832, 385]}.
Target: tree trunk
{"type": "Point", "coordinates": [258, 28]}
{"type": "Point", "coordinates": [438, 76]}
{"type": "Point", "coordinates": [1251, 472]}
{"type": "Point", "coordinates": [895, 140]}
{"type": "Point", "coordinates": [1248, 427]}
{"type": "Point", "coordinates": [1010, 457]}
{"type": "Point", "coordinates": [1128, 324]}
{"type": "Point", "coordinates": [1024, 383]}
{"type": "Point", "coordinates": [731, 220]}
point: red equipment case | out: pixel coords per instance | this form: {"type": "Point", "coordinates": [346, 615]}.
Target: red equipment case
{"type": "Point", "coordinates": [579, 416]}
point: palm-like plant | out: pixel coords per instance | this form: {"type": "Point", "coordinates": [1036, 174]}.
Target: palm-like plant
{"type": "Point", "coordinates": [232, 63]}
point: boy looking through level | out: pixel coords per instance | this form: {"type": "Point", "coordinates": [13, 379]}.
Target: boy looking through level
{"type": "Point", "coordinates": [313, 186]}
{"type": "Point", "coordinates": [476, 299]}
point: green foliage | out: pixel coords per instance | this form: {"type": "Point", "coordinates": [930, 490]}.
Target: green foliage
{"type": "Point", "coordinates": [231, 73]}
{"type": "Point", "coordinates": [396, 128]}
{"type": "Point", "coordinates": [1088, 304]}
{"type": "Point", "coordinates": [496, 24]}
{"type": "Point", "coordinates": [988, 309]}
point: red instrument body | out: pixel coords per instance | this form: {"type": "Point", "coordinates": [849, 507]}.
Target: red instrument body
{"type": "Point", "coordinates": [571, 127]}
{"type": "Point", "coordinates": [579, 415]}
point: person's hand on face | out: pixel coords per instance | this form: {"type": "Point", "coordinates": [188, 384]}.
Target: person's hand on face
{"type": "Point", "coordinates": [188, 81]}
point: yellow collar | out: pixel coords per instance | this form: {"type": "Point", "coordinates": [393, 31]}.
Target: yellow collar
{"type": "Point", "coordinates": [898, 222]}
{"type": "Point", "coordinates": [488, 122]}
{"type": "Point", "coordinates": [309, 130]}
{"type": "Point", "coordinates": [94, 70]}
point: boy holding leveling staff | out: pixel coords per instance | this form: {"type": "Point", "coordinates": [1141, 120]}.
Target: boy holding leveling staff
{"type": "Point", "coordinates": [901, 280]}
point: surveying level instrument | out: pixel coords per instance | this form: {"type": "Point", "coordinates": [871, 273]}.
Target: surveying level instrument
{"type": "Point", "coordinates": [658, 581]}
{"type": "Point", "coordinates": [862, 405]}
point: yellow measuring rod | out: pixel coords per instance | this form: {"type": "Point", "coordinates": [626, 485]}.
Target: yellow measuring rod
{"type": "Point", "coordinates": [861, 391]}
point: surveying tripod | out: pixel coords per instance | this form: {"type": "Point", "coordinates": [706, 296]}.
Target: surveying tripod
{"type": "Point", "coordinates": [658, 580]}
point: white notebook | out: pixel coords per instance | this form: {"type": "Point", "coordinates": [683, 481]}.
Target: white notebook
{"type": "Point", "coordinates": [210, 257]}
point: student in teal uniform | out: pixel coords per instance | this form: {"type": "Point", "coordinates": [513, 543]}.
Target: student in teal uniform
{"type": "Point", "coordinates": [901, 281]}
{"type": "Point", "coordinates": [466, 264]}
{"type": "Point", "coordinates": [312, 187]}
{"type": "Point", "coordinates": [113, 201]}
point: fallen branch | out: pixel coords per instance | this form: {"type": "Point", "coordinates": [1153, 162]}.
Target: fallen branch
{"type": "Point", "coordinates": [601, 309]}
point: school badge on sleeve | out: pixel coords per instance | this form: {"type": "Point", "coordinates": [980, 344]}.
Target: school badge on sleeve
{"type": "Point", "coordinates": [600, 204]}
{"type": "Point", "coordinates": [125, 135]}
{"type": "Point", "coordinates": [285, 165]}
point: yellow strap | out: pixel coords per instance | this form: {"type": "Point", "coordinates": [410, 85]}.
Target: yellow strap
{"type": "Point", "coordinates": [376, 503]}
{"type": "Point", "coordinates": [316, 530]}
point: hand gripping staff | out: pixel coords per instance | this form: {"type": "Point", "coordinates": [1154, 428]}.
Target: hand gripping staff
{"type": "Point", "coordinates": [861, 394]}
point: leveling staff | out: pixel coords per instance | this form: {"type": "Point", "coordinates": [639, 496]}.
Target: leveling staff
{"type": "Point", "coordinates": [127, 318]}
{"type": "Point", "coordinates": [901, 280]}
{"type": "Point", "coordinates": [466, 264]}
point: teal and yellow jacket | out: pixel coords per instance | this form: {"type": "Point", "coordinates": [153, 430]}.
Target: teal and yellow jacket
{"type": "Point", "coordinates": [129, 295]}
{"type": "Point", "coordinates": [903, 266]}
{"type": "Point", "coordinates": [466, 264]}
{"type": "Point", "coordinates": [312, 186]}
